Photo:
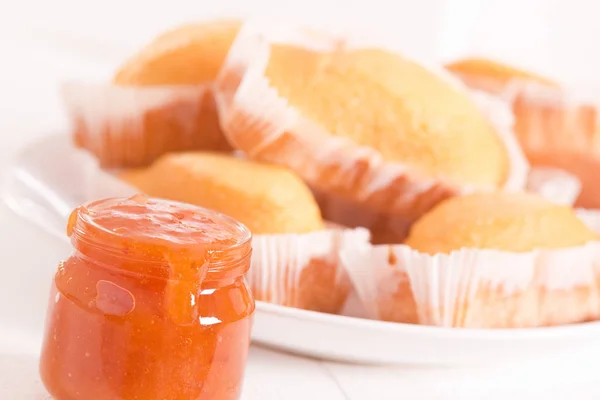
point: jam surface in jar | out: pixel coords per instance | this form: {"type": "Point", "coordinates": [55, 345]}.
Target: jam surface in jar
{"type": "Point", "coordinates": [152, 304]}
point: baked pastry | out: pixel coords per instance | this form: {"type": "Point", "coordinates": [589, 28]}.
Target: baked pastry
{"type": "Point", "coordinates": [553, 129]}
{"type": "Point", "coordinates": [494, 77]}
{"type": "Point", "coordinates": [266, 198]}
{"type": "Point", "coordinates": [489, 260]}
{"type": "Point", "coordinates": [295, 259]}
{"type": "Point", "coordinates": [161, 100]}
{"type": "Point", "coordinates": [190, 54]}
{"type": "Point", "coordinates": [378, 137]}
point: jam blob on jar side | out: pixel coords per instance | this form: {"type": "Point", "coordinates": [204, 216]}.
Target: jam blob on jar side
{"type": "Point", "coordinates": [152, 304]}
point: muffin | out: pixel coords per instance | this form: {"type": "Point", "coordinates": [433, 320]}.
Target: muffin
{"type": "Point", "coordinates": [553, 129]}
{"type": "Point", "coordinates": [378, 137]}
{"type": "Point", "coordinates": [494, 77]}
{"type": "Point", "coordinates": [190, 54]}
{"type": "Point", "coordinates": [160, 101]}
{"type": "Point", "coordinates": [486, 260]}
{"type": "Point", "coordinates": [295, 258]}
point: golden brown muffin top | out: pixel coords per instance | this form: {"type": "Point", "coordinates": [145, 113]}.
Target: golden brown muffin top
{"type": "Point", "coordinates": [191, 54]}
{"type": "Point", "coordinates": [384, 101]}
{"type": "Point", "coordinates": [264, 197]}
{"type": "Point", "coordinates": [515, 222]}
{"type": "Point", "coordinates": [503, 73]}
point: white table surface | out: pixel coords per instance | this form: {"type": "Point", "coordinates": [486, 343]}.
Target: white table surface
{"type": "Point", "coordinates": [32, 63]}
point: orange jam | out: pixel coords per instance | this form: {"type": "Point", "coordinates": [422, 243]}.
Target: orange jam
{"type": "Point", "coordinates": [151, 305]}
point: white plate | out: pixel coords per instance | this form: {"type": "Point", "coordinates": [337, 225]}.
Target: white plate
{"type": "Point", "coordinates": [49, 178]}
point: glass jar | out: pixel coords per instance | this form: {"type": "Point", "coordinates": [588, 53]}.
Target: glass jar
{"type": "Point", "coordinates": [152, 304]}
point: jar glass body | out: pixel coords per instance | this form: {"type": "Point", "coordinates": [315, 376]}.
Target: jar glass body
{"type": "Point", "coordinates": [110, 331]}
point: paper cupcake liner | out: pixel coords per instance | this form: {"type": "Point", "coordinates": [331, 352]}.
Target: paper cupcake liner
{"type": "Point", "coordinates": [479, 288]}
{"type": "Point", "coordinates": [132, 126]}
{"type": "Point", "coordinates": [303, 270]}
{"type": "Point", "coordinates": [258, 121]}
{"type": "Point", "coordinates": [560, 128]}
{"type": "Point", "coordinates": [553, 118]}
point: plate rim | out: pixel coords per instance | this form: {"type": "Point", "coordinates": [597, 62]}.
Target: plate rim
{"type": "Point", "coordinates": [583, 329]}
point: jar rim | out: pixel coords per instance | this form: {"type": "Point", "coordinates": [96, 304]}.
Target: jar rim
{"type": "Point", "coordinates": [125, 228]}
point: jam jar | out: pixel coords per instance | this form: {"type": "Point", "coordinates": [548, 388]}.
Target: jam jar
{"type": "Point", "coordinates": [152, 304]}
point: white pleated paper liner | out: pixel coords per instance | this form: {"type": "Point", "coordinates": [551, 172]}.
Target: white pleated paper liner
{"type": "Point", "coordinates": [127, 127]}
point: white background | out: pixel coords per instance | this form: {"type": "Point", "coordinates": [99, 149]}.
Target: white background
{"type": "Point", "coordinates": [43, 42]}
